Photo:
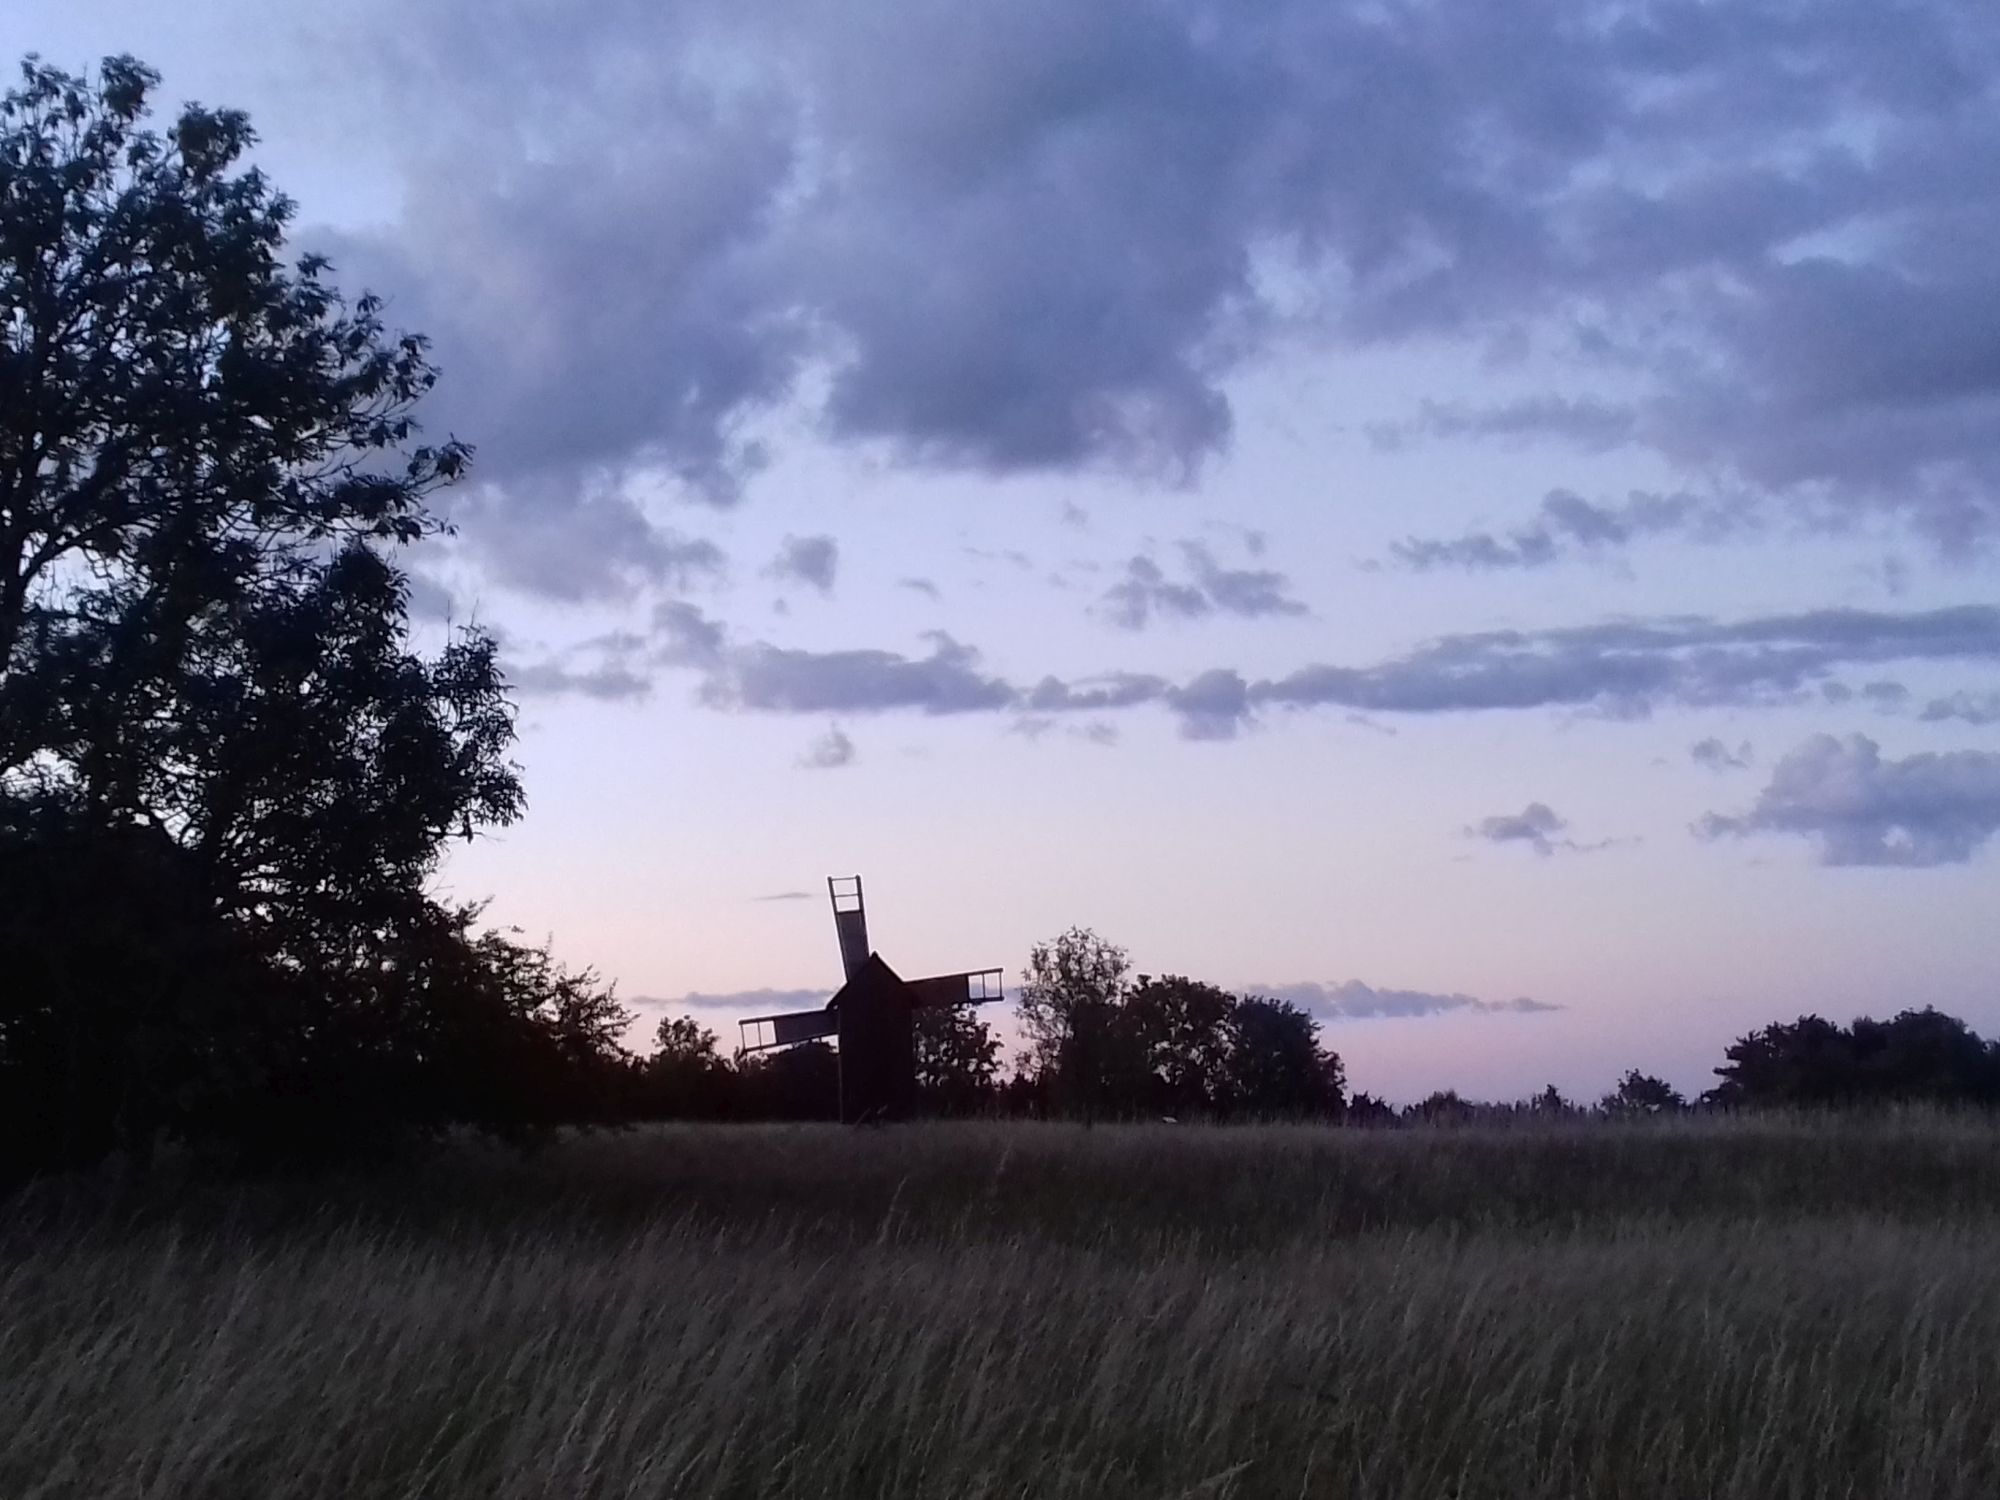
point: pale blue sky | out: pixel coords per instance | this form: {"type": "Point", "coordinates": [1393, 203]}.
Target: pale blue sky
{"type": "Point", "coordinates": [1187, 350]}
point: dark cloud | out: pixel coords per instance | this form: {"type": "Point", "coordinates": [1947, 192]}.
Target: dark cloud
{"type": "Point", "coordinates": [1979, 709]}
{"type": "Point", "coordinates": [608, 667]}
{"type": "Point", "coordinates": [1860, 809]}
{"type": "Point", "coordinates": [545, 679]}
{"type": "Point", "coordinates": [1044, 248]}
{"type": "Point", "coordinates": [829, 752]}
{"type": "Point", "coordinates": [1717, 756]}
{"type": "Point", "coordinates": [1567, 523]}
{"type": "Point", "coordinates": [1211, 706]}
{"type": "Point", "coordinates": [1095, 694]}
{"type": "Point", "coordinates": [786, 896]}
{"type": "Point", "coordinates": [920, 586]}
{"type": "Point", "coordinates": [685, 636]}
{"type": "Point", "coordinates": [1619, 667]}
{"type": "Point", "coordinates": [578, 546]}
{"type": "Point", "coordinates": [1352, 1000]}
{"type": "Point", "coordinates": [1537, 825]}
{"type": "Point", "coordinates": [1634, 667]}
{"type": "Point", "coordinates": [1146, 593]}
{"type": "Point", "coordinates": [811, 560]}
{"type": "Point", "coordinates": [782, 679]}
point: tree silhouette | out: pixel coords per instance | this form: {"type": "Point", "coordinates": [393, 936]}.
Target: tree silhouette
{"type": "Point", "coordinates": [218, 751]}
{"type": "Point", "coordinates": [1068, 1007]}
{"type": "Point", "coordinates": [957, 1059]}
{"type": "Point", "coordinates": [1919, 1056]}
{"type": "Point", "coordinates": [1276, 1065]}
{"type": "Point", "coordinates": [1181, 1028]}
{"type": "Point", "coordinates": [1639, 1095]}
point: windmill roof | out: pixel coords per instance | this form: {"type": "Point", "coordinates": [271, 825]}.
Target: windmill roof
{"type": "Point", "coordinates": [872, 977]}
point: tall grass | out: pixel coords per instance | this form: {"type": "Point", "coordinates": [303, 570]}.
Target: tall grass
{"type": "Point", "coordinates": [1729, 1309]}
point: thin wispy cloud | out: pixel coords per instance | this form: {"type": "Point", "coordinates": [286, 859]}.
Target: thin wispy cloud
{"type": "Point", "coordinates": [1352, 1000]}
{"type": "Point", "coordinates": [1568, 525]}
{"type": "Point", "coordinates": [829, 752]}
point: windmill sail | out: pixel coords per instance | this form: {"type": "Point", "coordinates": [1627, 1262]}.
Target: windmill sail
{"type": "Point", "coordinates": [850, 922]}
{"type": "Point", "coordinates": [760, 1032]}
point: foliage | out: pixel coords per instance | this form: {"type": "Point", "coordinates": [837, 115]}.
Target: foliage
{"type": "Point", "coordinates": [225, 776]}
{"type": "Point", "coordinates": [1919, 1056]}
{"type": "Point", "coordinates": [1169, 1046]}
{"type": "Point", "coordinates": [1068, 1007]}
{"type": "Point", "coordinates": [958, 1058]}
{"type": "Point", "coordinates": [1639, 1095]}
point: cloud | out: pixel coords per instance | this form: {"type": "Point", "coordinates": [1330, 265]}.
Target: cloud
{"type": "Point", "coordinates": [609, 667]}
{"type": "Point", "coordinates": [1588, 424]}
{"type": "Point", "coordinates": [1978, 709]}
{"type": "Point", "coordinates": [1636, 666]}
{"type": "Point", "coordinates": [1717, 756]}
{"type": "Point", "coordinates": [590, 543]}
{"type": "Point", "coordinates": [811, 560]}
{"type": "Point", "coordinates": [1032, 727]}
{"type": "Point", "coordinates": [549, 679]}
{"type": "Point", "coordinates": [829, 752]}
{"type": "Point", "coordinates": [1744, 231]}
{"type": "Point", "coordinates": [1352, 1000]}
{"type": "Point", "coordinates": [1567, 523]}
{"type": "Point", "coordinates": [738, 1004]}
{"type": "Point", "coordinates": [786, 896]}
{"type": "Point", "coordinates": [1146, 593]}
{"type": "Point", "coordinates": [780, 679]}
{"type": "Point", "coordinates": [1536, 825]}
{"type": "Point", "coordinates": [430, 600]}
{"type": "Point", "coordinates": [1619, 667]}
{"type": "Point", "coordinates": [920, 586]}
{"type": "Point", "coordinates": [1859, 809]}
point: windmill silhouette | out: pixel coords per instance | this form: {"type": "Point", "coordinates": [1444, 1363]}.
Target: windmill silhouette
{"type": "Point", "coordinates": [872, 1016]}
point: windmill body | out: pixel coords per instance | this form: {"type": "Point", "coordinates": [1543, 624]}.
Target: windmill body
{"type": "Point", "coordinates": [872, 1016]}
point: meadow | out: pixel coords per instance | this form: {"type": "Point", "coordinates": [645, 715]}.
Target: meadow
{"type": "Point", "coordinates": [1749, 1308]}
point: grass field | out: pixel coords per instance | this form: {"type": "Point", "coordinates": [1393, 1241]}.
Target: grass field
{"type": "Point", "coordinates": [1753, 1309]}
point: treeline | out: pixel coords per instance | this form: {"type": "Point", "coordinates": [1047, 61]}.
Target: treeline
{"type": "Point", "coordinates": [1100, 1043]}
{"type": "Point", "coordinates": [1177, 1048]}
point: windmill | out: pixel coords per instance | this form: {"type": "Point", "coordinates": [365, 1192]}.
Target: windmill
{"type": "Point", "coordinates": [872, 1016]}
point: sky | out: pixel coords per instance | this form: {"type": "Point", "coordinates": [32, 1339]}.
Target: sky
{"type": "Point", "coordinates": [1478, 519]}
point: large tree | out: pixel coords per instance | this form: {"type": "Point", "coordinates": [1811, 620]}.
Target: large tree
{"type": "Point", "coordinates": [1069, 1005]}
{"type": "Point", "coordinates": [957, 1057]}
{"type": "Point", "coordinates": [1182, 1027]}
{"type": "Point", "coordinates": [209, 703]}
